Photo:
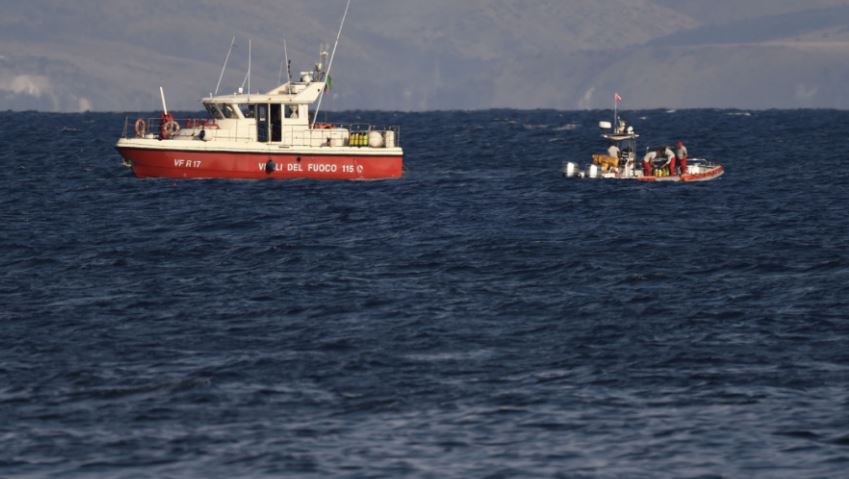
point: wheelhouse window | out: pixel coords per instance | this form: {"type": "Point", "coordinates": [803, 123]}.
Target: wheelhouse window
{"type": "Point", "coordinates": [248, 111]}
{"type": "Point", "coordinates": [213, 111]}
{"type": "Point", "coordinates": [291, 111]}
{"type": "Point", "coordinates": [228, 111]}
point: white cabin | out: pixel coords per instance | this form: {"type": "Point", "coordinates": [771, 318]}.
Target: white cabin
{"type": "Point", "coordinates": [280, 116]}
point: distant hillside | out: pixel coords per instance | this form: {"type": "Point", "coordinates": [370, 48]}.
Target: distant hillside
{"type": "Point", "coordinates": [439, 54]}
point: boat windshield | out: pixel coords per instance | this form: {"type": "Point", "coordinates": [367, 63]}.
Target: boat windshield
{"type": "Point", "coordinates": [248, 111]}
{"type": "Point", "coordinates": [228, 111]}
{"type": "Point", "coordinates": [213, 111]}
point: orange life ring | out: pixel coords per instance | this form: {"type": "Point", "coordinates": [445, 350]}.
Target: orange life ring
{"type": "Point", "coordinates": [141, 128]}
{"type": "Point", "coordinates": [170, 129]}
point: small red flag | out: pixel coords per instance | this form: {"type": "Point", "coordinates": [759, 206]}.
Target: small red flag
{"type": "Point", "coordinates": [617, 98]}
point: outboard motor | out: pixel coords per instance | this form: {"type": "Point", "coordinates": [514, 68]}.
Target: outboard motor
{"type": "Point", "coordinates": [570, 170]}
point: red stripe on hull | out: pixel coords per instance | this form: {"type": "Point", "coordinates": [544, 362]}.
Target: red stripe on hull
{"type": "Point", "coordinates": [196, 164]}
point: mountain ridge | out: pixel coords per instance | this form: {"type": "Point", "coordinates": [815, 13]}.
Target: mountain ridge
{"type": "Point", "coordinates": [405, 55]}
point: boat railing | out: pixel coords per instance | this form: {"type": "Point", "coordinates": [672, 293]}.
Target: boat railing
{"type": "Point", "coordinates": [340, 134]}
{"type": "Point", "coordinates": [323, 134]}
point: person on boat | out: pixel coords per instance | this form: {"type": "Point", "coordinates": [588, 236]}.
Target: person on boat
{"type": "Point", "coordinates": [627, 162]}
{"type": "Point", "coordinates": [610, 161]}
{"type": "Point", "coordinates": [648, 162]}
{"type": "Point", "coordinates": [613, 151]}
{"type": "Point", "coordinates": [670, 160]}
{"type": "Point", "coordinates": [681, 153]}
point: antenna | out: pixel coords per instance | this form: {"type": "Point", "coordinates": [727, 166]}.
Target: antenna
{"type": "Point", "coordinates": [288, 64]}
{"type": "Point", "coordinates": [616, 100]}
{"type": "Point", "coordinates": [162, 95]}
{"type": "Point", "coordinates": [280, 72]}
{"type": "Point", "coordinates": [322, 54]}
{"type": "Point", "coordinates": [226, 59]}
{"type": "Point", "coordinates": [247, 79]}
{"type": "Point", "coordinates": [330, 65]}
{"type": "Point", "coordinates": [288, 69]}
{"type": "Point", "coordinates": [283, 61]}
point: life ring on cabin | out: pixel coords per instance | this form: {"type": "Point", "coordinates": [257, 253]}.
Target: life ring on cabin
{"type": "Point", "coordinates": [324, 126]}
{"type": "Point", "coordinates": [141, 128]}
{"type": "Point", "coordinates": [170, 129]}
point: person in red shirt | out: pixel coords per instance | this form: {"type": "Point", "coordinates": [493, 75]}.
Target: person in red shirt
{"type": "Point", "coordinates": [681, 153]}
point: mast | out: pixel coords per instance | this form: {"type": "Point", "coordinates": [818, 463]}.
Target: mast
{"type": "Point", "coordinates": [286, 63]}
{"type": "Point", "coordinates": [247, 79]}
{"type": "Point", "coordinates": [615, 115]}
{"type": "Point", "coordinates": [616, 101]}
{"type": "Point", "coordinates": [282, 61]}
{"type": "Point", "coordinates": [330, 65]}
{"type": "Point", "coordinates": [224, 67]}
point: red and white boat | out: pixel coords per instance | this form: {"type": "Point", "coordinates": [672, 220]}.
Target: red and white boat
{"type": "Point", "coordinates": [263, 135]}
{"type": "Point", "coordinates": [664, 164]}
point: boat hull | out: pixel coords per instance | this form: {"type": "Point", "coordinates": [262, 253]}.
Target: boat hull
{"type": "Point", "coordinates": [701, 171]}
{"type": "Point", "coordinates": [708, 174]}
{"type": "Point", "coordinates": [176, 163]}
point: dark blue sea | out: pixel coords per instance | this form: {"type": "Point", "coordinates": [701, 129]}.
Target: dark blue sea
{"type": "Point", "coordinates": [482, 317]}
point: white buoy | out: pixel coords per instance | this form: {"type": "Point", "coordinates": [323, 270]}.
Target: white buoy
{"type": "Point", "coordinates": [593, 173]}
{"type": "Point", "coordinates": [375, 139]}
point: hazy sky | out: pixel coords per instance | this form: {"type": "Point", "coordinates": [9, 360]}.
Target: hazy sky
{"type": "Point", "coordinates": [62, 55]}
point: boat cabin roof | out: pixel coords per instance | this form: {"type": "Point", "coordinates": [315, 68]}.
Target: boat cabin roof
{"type": "Point", "coordinates": [296, 93]}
